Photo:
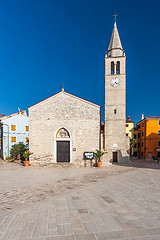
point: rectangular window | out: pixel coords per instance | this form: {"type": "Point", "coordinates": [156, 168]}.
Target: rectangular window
{"type": "Point", "coordinates": [142, 134]}
{"type": "Point", "coordinates": [13, 127]}
{"type": "Point", "coordinates": [138, 144]}
{"type": "Point", "coordinates": [142, 154]}
{"type": "Point", "coordinates": [27, 128]}
{"type": "Point", "coordinates": [135, 136]}
{"type": "Point", "coordinates": [139, 126]}
{"type": "Point", "coordinates": [142, 124]}
{"type": "Point", "coordinates": [142, 144]}
{"type": "Point", "coordinates": [158, 143]}
{"type": "Point", "coordinates": [126, 125]}
{"type": "Point", "coordinates": [159, 122]}
{"type": "Point", "coordinates": [127, 134]}
{"type": "Point", "coordinates": [149, 155]}
{"type": "Point", "coordinates": [139, 134]}
{"type": "Point", "coordinates": [135, 145]}
{"type": "Point", "coordinates": [13, 139]}
{"type": "Point", "coordinates": [158, 132]}
{"type": "Point", "coordinates": [27, 139]}
{"type": "Point", "coordinates": [135, 154]}
{"type": "Point", "coordinates": [115, 111]}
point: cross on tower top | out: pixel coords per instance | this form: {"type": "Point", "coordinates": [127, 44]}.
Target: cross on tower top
{"type": "Point", "coordinates": [62, 87]}
{"type": "Point", "coordinates": [115, 15]}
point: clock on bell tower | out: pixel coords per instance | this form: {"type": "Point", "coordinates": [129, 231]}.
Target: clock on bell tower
{"type": "Point", "coordinates": [115, 100]}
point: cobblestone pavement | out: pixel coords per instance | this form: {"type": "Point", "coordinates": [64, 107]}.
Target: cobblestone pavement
{"type": "Point", "coordinates": [114, 202]}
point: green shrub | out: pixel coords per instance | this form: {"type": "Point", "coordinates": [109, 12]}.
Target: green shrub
{"type": "Point", "coordinates": [18, 150]}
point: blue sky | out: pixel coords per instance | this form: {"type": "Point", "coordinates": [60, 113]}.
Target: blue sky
{"type": "Point", "coordinates": [44, 44]}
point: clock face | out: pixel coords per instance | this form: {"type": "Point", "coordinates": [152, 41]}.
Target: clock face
{"type": "Point", "coordinates": [115, 82]}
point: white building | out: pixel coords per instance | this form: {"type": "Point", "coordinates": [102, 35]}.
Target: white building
{"type": "Point", "coordinates": [14, 129]}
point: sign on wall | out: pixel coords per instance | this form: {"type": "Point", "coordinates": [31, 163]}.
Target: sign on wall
{"type": "Point", "coordinates": [115, 145]}
{"type": "Point", "coordinates": [88, 155]}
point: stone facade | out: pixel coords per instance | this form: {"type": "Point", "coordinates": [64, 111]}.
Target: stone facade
{"type": "Point", "coordinates": [115, 100]}
{"type": "Point", "coordinates": [80, 118]}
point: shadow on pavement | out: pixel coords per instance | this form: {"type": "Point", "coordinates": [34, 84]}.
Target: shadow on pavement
{"type": "Point", "coordinates": [140, 163]}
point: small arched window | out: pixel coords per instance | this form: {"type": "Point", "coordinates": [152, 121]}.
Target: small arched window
{"type": "Point", "coordinates": [112, 67]}
{"type": "Point", "coordinates": [118, 67]}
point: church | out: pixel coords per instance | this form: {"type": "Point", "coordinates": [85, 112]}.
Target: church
{"type": "Point", "coordinates": [64, 127]}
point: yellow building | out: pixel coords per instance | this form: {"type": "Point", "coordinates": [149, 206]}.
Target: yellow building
{"type": "Point", "coordinates": [149, 137]}
{"type": "Point", "coordinates": [130, 133]}
{"type": "Point", "coordinates": [129, 128]}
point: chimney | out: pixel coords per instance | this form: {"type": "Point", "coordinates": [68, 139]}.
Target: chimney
{"type": "Point", "coordinates": [142, 116]}
{"type": "Point", "coordinates": [2, 115]}
{"type": "Point", "coordinates": [129, 118]}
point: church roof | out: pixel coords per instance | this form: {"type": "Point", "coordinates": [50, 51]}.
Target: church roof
{"type": "Point", "coordinates": [115, 41]}
{"type": "Point", "coordinates": [63, 92]}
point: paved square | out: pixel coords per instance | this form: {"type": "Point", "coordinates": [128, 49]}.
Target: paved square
{"type": "Point", "coordinates": [49, 203]}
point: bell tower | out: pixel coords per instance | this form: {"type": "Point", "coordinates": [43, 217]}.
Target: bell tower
{"type": "Point", "coordinates": [115, 100]}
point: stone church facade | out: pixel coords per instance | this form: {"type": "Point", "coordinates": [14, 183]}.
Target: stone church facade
{"type": "Point", "coordinates": [62, 128]}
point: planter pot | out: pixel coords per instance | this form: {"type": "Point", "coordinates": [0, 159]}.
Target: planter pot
{"type": "Point", "coordinates": [26, 163]}
{"type": "Point", "coordinates": [99, 164]}
{"type": "Point", "coordinates": [156, 161]}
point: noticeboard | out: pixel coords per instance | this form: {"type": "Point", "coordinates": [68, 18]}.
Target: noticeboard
{"type": "Point", "coordinates": [88, 155]}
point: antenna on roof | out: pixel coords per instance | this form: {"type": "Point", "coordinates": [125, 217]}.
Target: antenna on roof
{"type": "Point", "coordinates": [142, 116]}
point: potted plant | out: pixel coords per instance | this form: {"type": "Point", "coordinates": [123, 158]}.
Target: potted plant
{"type": "Point", "coordinates": [155, 159]}
{"type": "Point", "coordinates": [99, 154]}
{"type": "Point", "coordinates": [26, 158]}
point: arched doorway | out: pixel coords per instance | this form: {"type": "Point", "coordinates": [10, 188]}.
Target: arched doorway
{"type": "Point", "coordinates": [63, 145]}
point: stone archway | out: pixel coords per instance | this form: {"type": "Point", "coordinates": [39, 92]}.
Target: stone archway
{"type": "Point", "coordinates": [63, 145]}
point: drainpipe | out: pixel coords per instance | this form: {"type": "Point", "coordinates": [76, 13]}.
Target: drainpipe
{"type": "Point", "coordinates": [8, 135]}
{"type": "Point", "coordinates": [100, 132]}
{"type": "Point", "coordinates": [1, 129]}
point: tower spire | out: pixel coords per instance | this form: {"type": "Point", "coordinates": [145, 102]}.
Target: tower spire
{"type": "Point", "coordinates": [115, 47]}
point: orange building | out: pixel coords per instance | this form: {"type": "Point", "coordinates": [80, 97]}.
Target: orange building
{"type": "Point", "coordinates": [148, 137]}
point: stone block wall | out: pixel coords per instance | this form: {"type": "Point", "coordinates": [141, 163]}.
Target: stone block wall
{"type": "Point", "coordinates": [79, 117]}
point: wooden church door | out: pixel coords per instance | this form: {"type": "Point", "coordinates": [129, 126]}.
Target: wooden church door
{"type": "Point", "coordinates": [63, 151]}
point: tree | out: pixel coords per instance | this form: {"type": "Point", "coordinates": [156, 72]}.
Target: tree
{"type": "Point", "coordinates": [132, 144]}
{"type": "Point", "coordinates": [18, 150]}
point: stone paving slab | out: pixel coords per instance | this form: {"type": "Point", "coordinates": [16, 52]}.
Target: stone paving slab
{"type": "Point", "coordinates": [115, 206]}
